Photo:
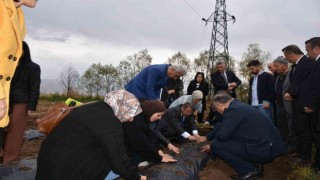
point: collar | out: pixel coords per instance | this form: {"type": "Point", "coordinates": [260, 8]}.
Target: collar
{"type": "Point", "coordinates": [299, 59]}
{"type": "Point", "coordinates": [259, 73]}
{"type": "Point", "coordinates": [318, 57]}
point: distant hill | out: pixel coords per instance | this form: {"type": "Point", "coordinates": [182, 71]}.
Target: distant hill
{"type": "Point", "coordinates": [49, 86]}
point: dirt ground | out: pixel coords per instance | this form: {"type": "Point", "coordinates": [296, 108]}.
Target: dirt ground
{"type": "Point", "coordinates": [218, 169]}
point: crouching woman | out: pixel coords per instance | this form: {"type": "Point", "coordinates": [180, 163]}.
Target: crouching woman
{"type": "Point", "coordinates": [88, 144]}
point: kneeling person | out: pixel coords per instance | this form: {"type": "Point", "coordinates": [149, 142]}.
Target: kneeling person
{"type": "Point", "coordinates": [246, 139]}
{"type": "Point", "coordinates": [178, 122]}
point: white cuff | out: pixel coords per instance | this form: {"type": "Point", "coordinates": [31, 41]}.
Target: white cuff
{"type": "Point", "coordinates": [195, 132]}
{"type": "Point", "coordinates": [185, 135]}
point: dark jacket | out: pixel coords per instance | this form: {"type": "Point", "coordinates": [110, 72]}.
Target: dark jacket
{"type": "Point", "coordinates": [173, 84]}
{"type": "Point", "coordinates": [87, 144]}
{"type": "Point", "coordinates": [148, 82]}
{"type": "Point", "coordinates": [25, 84]}
{"type": "Point", "coordinates": [141, 140]}
{"type": "Point", "coordinates": [243, 123]}
{"type": "Point", "coordinates": [265, 89]}
{"type": "Point", "coordinates": [314, 96]}
{"type": "Point", "coordinates": [299, 76]}
{"type": "Point", "coordinates": [219, 82]}
{"type": "Point", "coordinates": [305, 74]}
{"type": "Point", "coordinates": [203, 87]}
{"type": "Point", "coordinates": [170, 121]}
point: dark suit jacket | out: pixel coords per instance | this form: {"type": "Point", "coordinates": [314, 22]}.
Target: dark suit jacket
{"type": "Point", "coordinates": [287, 104]}
{"type": "Point", "coordinates": [171, 119]}
{"type": "Point", "coordinates": [219, 82]}
{"type": "Point", "coordinates": [299, 76]}
{"type": "Point", "coordinates": [314, 87]}
{"type": "Point", "coordinates": [265, 88]}
{"type": "Point", "coordinates": [244, 123]}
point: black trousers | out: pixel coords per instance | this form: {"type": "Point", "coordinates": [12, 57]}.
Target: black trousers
{"type": "Point", "coordinates": [305, 124]}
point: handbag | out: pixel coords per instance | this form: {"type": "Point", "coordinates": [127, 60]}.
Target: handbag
{"type": "Point", "coordinates": [53, 117]}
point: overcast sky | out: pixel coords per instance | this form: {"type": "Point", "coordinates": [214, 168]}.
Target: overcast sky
{"type": "Point", "coordinates": [82, 32]}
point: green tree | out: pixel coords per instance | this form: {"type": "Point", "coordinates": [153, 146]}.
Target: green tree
{"type": "Point", "coordinates": [93, 79]}
{"type": "Point", "coordinates": [108, 72]}
{"type": "Point", "coordinates": [253, 52]}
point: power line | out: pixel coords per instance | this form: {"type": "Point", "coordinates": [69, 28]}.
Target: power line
{"type": "Point", "coordinates": [192, 8]}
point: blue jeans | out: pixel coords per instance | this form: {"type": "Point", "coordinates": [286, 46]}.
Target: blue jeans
{"type": "Point", "coordinates": [266, 112]}
{"type": "Point", "coordinates": [111, 176]}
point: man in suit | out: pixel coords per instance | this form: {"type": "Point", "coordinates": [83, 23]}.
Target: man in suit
{"type": "Point", "coordinates": [223, 79]}
{"type": "Point", "coordinates": [178, 122]}
{"type": "Point", "coordinates": [312, 106]}
{"type": "Point", "coordinates": [245, 138]}
{"type": "Point", "coordinates": [146, 85]}
{"type": "Point", "coordinates": [261, 91]}
{"type": "Point", "coordinates": [284, 107]}
{"type": "Point", "coordinates": [297, 93]}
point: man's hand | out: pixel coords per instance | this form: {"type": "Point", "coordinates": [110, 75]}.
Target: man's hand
{"type": "Point", "coordinates": [172, 91]}
{"type": "Point", "coordinates": [202, 139]}
{"type": "Point", "coordinates": [230, 88]}
{"type": "Point", "coordinates": [192, 138]}
{"type": "Point", "coordinates": [197, 136]}
{"type": "Point", "coordinates": [3, 108]}
{"type": "Point", "coordinates": [233, 84]}
{"type": "Point", "coordinates": [143, 177]}
{"type": "Point", "coordinates": [205, 148]}
{"type": "Point", "coordinates": [171, 147]}
{"type": "Point", "coordinates": [287, 97]}
{"type": "Point", "coordinates": [308, 110]}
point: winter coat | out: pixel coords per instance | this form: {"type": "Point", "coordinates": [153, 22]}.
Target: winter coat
{"type": "Point", "coordinates": [12, 32]}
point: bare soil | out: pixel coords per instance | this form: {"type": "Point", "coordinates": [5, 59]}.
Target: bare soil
{"type": "Point", "coordinates": [218, 169]}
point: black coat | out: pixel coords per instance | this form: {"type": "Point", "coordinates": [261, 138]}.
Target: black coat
{"type": "Point", "coordinates": [141, 140]}
{"type": "Point", "coordinates": [87, 144]}
{"type": "Point", "coordinates": [203, 87]}
{"type": "Point", "coordinates": [170, 121]}
{"type": "Point", "coordinates": [244, 123]}
{"type": "Point", "coordinates": [219, 82]}
{"type": "Point", "coordinates": [173, 84]}
{"type": "Point", "coordinates": [304, 76]}
{"type": "Point", "coordinates": [299, 76]}
{"type": "Point", "coordinates": [265, 88]}
{"type": "Point", "coordinates": [25, 84]}
{"type": "Point", "coordinates": [314, 86]}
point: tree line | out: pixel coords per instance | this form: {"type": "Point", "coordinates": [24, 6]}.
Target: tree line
{"type": "Point", "coordinates": [99, 79]}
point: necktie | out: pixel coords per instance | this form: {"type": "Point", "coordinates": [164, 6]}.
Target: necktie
{"type": "Point", "coordinates": [224, 77]}
{"type": "Point", "coordinates": [292, 71]}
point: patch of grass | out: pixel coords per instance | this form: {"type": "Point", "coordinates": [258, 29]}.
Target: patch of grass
{"type": "Point", "coordinates": [303, 173]}
{"type": "Point", "coordinates": [61, 97]}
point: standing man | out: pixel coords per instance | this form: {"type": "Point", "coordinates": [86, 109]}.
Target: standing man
{"type": "Point", "coordinates": [146, 85]}
{"type": "Point", "coordinates": [284, 107]}
{"type": "Point", "coordinates": [299, 74]}
{"type": "Point", "coordinates": [223, 79]}
{"type": "Point", "coordinates": [312, 106]}
{"type": "Point", "coordinates": [261, 91]}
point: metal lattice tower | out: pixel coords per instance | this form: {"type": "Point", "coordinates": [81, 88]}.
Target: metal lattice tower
{"type": "Point", "coordinates": [219, 38]}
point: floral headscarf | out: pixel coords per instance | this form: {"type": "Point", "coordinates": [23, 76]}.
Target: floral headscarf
{"type": "Point", "coordinates": [124, 104]}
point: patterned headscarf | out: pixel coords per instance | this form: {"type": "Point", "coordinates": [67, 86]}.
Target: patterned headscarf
{"type": "Point", "coordinates": [124, 104]}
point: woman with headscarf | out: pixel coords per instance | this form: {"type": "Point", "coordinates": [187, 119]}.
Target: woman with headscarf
{"type": "Point", "coordinates": [89, 142]}
{"type": "Point", "coordinates": [141, 141]}
{"type": "Point", "coordinates": [199, 83]}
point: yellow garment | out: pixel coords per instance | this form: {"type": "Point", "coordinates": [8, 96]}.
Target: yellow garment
{"type": "Point", "coordinates": [12, 32]}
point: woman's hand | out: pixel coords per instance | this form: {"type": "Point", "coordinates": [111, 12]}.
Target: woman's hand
{"type": "Point", "coordinates": [28, 3]}
{"type": "Point", "coordinates": [3, 108]}
{"type": "Point", "coordinates": [168, 159]}
{"type": "Point", "coordinates": [173, 148]}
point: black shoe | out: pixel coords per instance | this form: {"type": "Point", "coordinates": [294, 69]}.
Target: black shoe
{"type": "Point", "coordinates": [250, 175]}
{"type": "Point", "coordinates": [259, 167]}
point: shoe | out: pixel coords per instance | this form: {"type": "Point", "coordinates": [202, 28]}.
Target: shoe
{"type": "Point", "coordinates": [259, 167]}
{"type": "Point", "coordinates": [143, 164]}
{"type": "Point", "coordinates": [250, 175]}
